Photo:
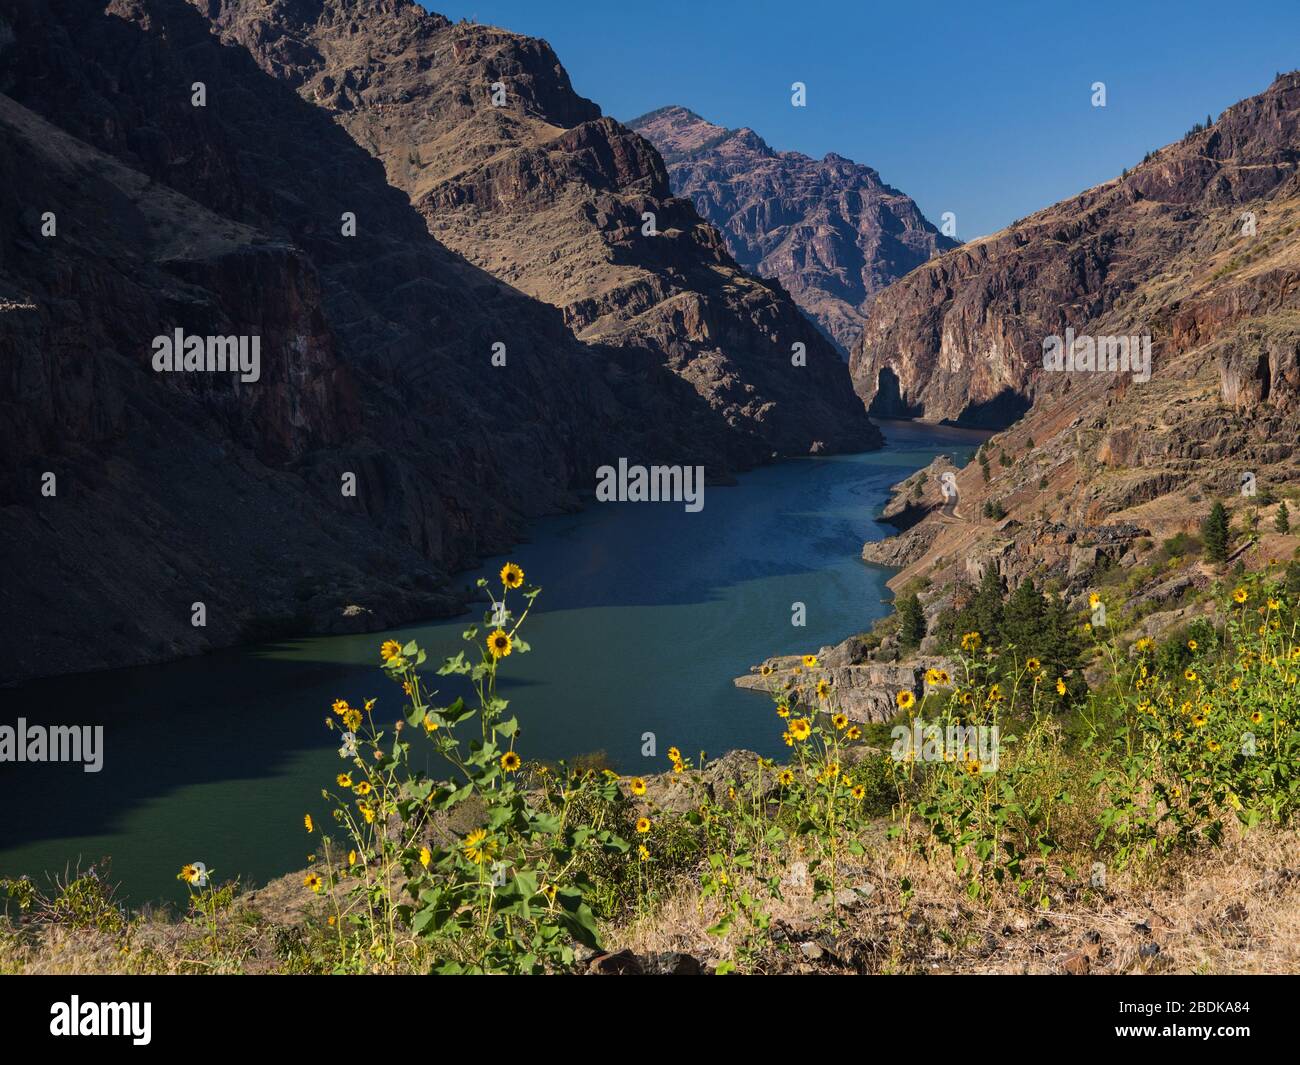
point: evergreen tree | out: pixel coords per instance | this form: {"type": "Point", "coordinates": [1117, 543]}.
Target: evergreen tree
{"type": "Point", "coordinates": [911, 621]}
{"type": "Point", "coordinates": [985, 611]}
{"type": "Point", "coordinates": [1282, 520]}
{"type": "Point", "coordinates": [1214, 531]}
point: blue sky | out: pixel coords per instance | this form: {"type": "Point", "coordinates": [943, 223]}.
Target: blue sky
{"type": "Point", "coordinates": [978, 107]}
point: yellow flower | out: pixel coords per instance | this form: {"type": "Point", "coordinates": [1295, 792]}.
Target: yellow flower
{"type": "Point", "coordinates": [345, 780]}
{"type": "Point", "coordinates": [1198, 720]}
{"type": "Point", "coordinates": [426, 856]}
{"type": "Point", "coordinates": [352, 857]}
{"type": "Point", "coordinates": [1060, 685]}
{"type": "Point", "coordinates": [638, 786]}
{"type": "Point", "coordinates": [972, 768]}
{"type": "Point", "coordinates": [679, 767]}
{"type": "Point", "coordinates": [854, 733]}
{"type": "Point", "coordinates": [800, 728]}
{"type": "Point", "coordinates": [367, 811]}
{"type": "Point", "coordinates": [499, 643]}
{"type": "Point", "coordinates": [362, 788]}
{"type": "Point", "coordinates": [905, 699]}
{"type": "Point", "coordinates": [840, 721]}
{"type": "Point", "coordinates": [787, 739]}
{"type": "Point", "coordinates": [970, 641]}
{"type": "Point", "coordinates": [810, 661]}
{"type": "Point", "coordinates": [782, 711]}
{"type": "Point", "coordinates": [510, 762]}
{"type": "Point", "coordinates": [477, 847]}
{"type": "Point", "coordinates": [1145, 644]}
{"type": "Point", "coordinates": [1032, 664]}
{"type": "Point", "coordinates": [1191, 645]}
{"type": "Point", "coordinates": [1189, 674]}
{"type": "Point", "coordinates": [823, 688]}
{"type": "Point", "coordinates": [643, 825]}
{"type": "Point", "coordinates": [858, 792]}
{"type": "Point", "coordinates": [306, 821]}
{"type": "Point", "coordinates": [340, 706]}
{"type": "Point", "coordinates": [1240, 595]}
{"type": "Point", "coordinates": [674, 755]}
{"type": "Point", "coordinates": [1275, 604]}
{"type": "Point", "coordinates": [1212, 745]}
{"type": "Point", "coordinates": [1094, 601]}
{"type": "Point", "coordinates": [312, 882]}
{"type": "Point", "coordinates": [389, 649]}
{"type": "Point", "coordinates": [1256, 718]}
{"type": "Point", "coordinates": [511, 575]}
{"type": "Point", "coordinates": [643, 852]}
{"type": "Point", "coordinates": [786, 777]}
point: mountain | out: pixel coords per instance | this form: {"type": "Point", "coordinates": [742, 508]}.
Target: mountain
{"type": "Point", "coordinates": [1194, 248]}
{"type": "Point", "coordinates": [828, 229]}
{"type": "Point", "coordinates": [129, 495]}
{"type": "Point", "coordinates": [482, 129]}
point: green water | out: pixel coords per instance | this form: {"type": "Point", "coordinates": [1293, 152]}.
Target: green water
{"type": "Point", "coordinates": [647, 614]}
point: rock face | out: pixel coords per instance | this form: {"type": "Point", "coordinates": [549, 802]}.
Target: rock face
{"type": "Point", "coordinates": [1196, 248]}
{"type": "Point", "coordinates": [526, 179]}
{"type": "Point", "coordinates": [828, 229]}
{"type": "Point", "coordinates": [130, 495]}
{"type": "Point", "coordinates": [1164, 250]}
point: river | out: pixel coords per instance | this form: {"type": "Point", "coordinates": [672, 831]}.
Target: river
{"type": "Point", "coordinates": [646, 615]}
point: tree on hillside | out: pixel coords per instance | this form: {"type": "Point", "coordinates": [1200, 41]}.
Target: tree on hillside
{"type": "Point", "coordinates": [1214, 532]}
{"type": "Point", "coordinates": [911, 621]}
{"type": "Point", "coordinates": [1282, 519]}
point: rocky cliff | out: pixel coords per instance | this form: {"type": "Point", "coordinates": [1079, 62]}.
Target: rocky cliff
{"type": "Point", "coordinates": [511, 168]}
{"type": "Point", "coordinates": [828, 229]}
{"type": "Point", "coordinates": [1195, 249]}
{"type": "Point", "coordinates": [128, 495]}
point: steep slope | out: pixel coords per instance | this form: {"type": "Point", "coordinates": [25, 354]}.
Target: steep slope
{"type": "Point", "coordinates": [526, 179]}
{"type": "Point", "coordinates": [1195, 248]}
{"type": "Point", "coordinates": [225, 220]}
{"type": "Point", "coordinates": [828, 229]}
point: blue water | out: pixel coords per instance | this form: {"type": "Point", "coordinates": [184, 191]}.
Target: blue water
{"type": "Point", "coordinates": [646, 615]}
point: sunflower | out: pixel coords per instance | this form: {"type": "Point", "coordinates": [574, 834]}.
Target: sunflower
{"type": "Point", "coordinates": [905, 700]}
{"type": "Point", "coordinates": [1256, 718]}
{"type": "Point", "coordinates": [932, 677]}
{"type": "Point", "coordinates": [340, 706]}
{"type": "Point", "coordinates": [638, 786]}
{"type": "Point", "coordinates": [642, 825]}
{"type": "Point", "coordinates": [477, 847]}
{"type": "Point", "coordinates": [858, 792]}
{"type": "Point", "coordinates": [643, 852]}
{"type": "Point", "coordinates": [1094, 601]}
{"type": "Point", "coordinates": [306, 822]}
{"type": "Point", "coordinates": [840, 721]}
{"type": "Point", "coordinates": [426, 856]}
{"type": "Point", "coordinates": [1191, 645]}
{"type": "Point", "coordinates": [1212, 745]}
{"type": "Point", "coordinates": [345, 780]}
{"type": "Point", "coordinates": [511, 575]}
{"type": "Point", "coordinates": [511, 762]}
{"type": "Point", "coordinates": [674, 755]}
{"type": "Point", "coordinates": [810, 661]}
{"type": "Point", "coordinates": [1189, 674]}
{"type": "Point", "coordinates": [367, 811]}
{"type": "Point", "coordinates": [1198, 720]}
{"type": "Point", "coordinates": [1032, 664]}
{"type": "Point", "coordinates": [800, 728]}
{"type": "Point", "coordinates": [362, 788]}
{"type": "Point", "coordinates": [1275, 604]}
{"type": "Point", "coordinates": [786, 777]}
{"type": "Point", "coordinates": [312, 882]}
{"type": "Point", "coordinates": [390, 649]}
{"type": "Point", "coordinates": [1144, 644]}
{"type": "Point", "coordinates": [854, 733]}
{"type": "Point", "coordinates": [787, 739]}
{"type": "Point", "coordinates": [499, 643]}
{"type": "Point", "coordinates": [972, 769]}
{"type": "Point", "coordinates": [1240, 595]}
{"type": "Point", "coordinates": [823, 688]}
{"type": "Point", "coordinates": [782, 711]}
{"type": "Point", "coordinates": [352, 857]}
{"type": "Point", "coordinates": [970, 641]}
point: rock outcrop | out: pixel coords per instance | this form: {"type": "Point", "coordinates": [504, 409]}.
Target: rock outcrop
{"type": "Point", "coordinates": [828, 229]}
{"type": "Point", "coordinates": [529, 181]}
